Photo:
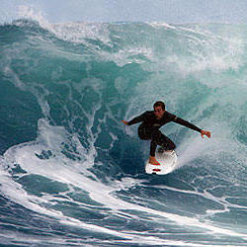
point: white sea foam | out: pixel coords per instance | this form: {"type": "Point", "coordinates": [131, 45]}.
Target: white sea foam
{"type": "Point", "coordinates": [162, 24]}
{"type": "Point", "coordinates": [29, 13]}
{"type": "Point", "coordinates": [61, 169]}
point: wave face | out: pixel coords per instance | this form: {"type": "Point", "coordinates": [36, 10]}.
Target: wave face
{"type": "Point", "coordinates": [73, 175]}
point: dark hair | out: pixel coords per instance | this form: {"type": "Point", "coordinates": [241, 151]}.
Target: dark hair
{"type": "Point", "coordinates": [160, 103]}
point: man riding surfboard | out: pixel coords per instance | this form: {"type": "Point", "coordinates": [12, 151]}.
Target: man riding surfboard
{"type": "Point", "coordinates": [151, 123]}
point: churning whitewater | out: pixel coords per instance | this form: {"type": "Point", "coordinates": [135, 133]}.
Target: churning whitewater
{"type": "Point", "coordinates": [72, 175]}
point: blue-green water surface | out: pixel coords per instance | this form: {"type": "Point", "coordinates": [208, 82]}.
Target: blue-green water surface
{"type": "Point", "coordinates": [71, 174]}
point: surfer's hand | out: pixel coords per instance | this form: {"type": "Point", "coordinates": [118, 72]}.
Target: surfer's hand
{"type": "Point", "coordinates": [207, 133]}
{"type": "Point", "coordinates": [125, 122]}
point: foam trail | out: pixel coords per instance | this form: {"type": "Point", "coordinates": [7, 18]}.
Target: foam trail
{"type": "Point", "coordinates": [103, 194]}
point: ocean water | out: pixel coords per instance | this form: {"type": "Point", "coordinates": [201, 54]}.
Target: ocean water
{"type": "Point", "coordinates": [71, 174]}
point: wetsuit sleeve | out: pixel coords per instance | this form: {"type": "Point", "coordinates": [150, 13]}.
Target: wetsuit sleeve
{"type": "Point", "coordinates": [137, 119]}
{"type": "Point", "coordinates": [186, 123]}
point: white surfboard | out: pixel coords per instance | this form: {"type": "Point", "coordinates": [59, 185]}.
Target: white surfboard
{"type": "Point", "coordinates": [168, 163]}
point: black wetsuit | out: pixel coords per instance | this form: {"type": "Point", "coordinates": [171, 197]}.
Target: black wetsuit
{"type": "Point", "coordinates": [149, 129]}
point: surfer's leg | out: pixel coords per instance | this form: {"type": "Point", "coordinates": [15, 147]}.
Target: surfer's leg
{"type": "Point", "coordinates": [159, 139]}
{"type": "Point", "coordinates": [146, 134]}
{"type": "Point", "coordinates": [155, 140]}
{"type": "Point", "coordinates": [166, 143]}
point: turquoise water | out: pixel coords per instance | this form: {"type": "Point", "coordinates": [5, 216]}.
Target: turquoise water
{"type": "Point", "coordinates": [73, 175]}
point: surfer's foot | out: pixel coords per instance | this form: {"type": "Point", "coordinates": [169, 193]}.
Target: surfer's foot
{"type": "Point", "coordinates": [153, 161]}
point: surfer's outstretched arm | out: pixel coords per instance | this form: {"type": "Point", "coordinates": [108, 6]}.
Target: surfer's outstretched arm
{"type": "Point", "coordinates": [192, 126]}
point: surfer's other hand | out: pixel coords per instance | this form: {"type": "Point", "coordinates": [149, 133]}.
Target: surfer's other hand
{"type": "Point", "coordinates": [125, 122]}
{"type": "Point", "coordinates": [207, 133]}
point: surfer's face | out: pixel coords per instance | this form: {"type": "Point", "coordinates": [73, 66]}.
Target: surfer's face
{"type": "Point", "coordinates": [159, 112]}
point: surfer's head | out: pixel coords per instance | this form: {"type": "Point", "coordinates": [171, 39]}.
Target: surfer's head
{"type": "Point", "coordinates": [161, 104]}
{"type": "Point", "coordinates": [159, 109]}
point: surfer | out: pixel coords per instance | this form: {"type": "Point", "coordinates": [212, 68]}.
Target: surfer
{"type": "Point", "coordinates": [151, 123]}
